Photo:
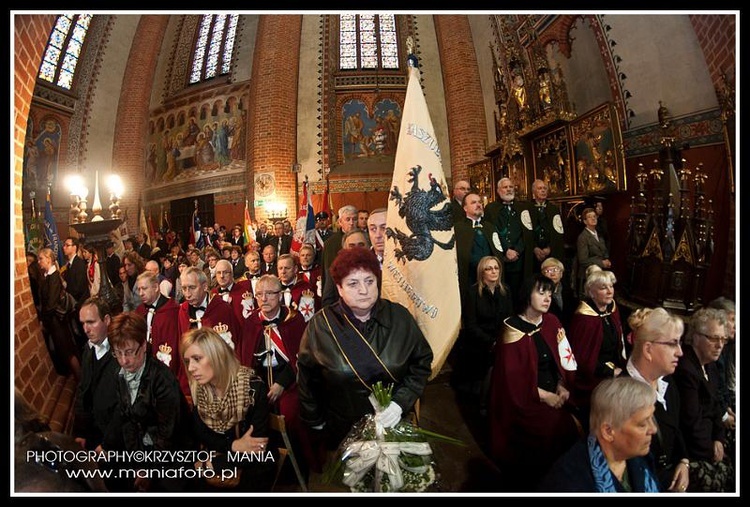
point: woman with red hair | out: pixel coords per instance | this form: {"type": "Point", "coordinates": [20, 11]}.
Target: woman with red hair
{"type": "Point", "coordinates": [353, 343]}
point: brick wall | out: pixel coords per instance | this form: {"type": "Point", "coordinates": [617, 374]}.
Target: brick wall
{"type": "Point", "coordinates": [272, 118]}
{"type": "Point", "coordinates": [129, 152]}
{"type": "Point", "coordinates": [716, 36]}
{"type": "Point", "coordinates": [467, 128]}
{"type": "Point", "coordinates": [35, 377]}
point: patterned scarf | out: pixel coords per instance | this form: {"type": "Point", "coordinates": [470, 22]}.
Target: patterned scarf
{"type": "Point", "coordinates": [221, 414]}
{"type": "Point", "coordinates": [603, 480]}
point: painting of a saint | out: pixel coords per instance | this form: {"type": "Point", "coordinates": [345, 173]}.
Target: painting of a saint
{"type": "Point", "coordinates": [41, 155]}
{"type": "Point", "coordinates": [368, 135]}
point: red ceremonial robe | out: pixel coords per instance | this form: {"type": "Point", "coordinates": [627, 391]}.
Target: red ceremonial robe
{"type": "Point", "coordinates": [240, 296]}
{"type": "Point", "coordinates": [586, 336]}
{"type": "Point", "coordinates": [165, 338]}
{"type": "Point", "coordinates": [527, 434]}
{"type": "Point", "coordinates": [218, 315]}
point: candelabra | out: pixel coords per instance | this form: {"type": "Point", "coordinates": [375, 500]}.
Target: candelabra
{"type": "Point", "coordinates": [96, 232]}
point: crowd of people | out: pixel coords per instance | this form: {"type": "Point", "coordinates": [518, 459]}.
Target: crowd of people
{"type": "Point", "coordinates": [206, 342]}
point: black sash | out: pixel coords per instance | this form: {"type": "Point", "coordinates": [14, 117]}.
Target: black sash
{"type": "Point", "coordinates": [357, 352]}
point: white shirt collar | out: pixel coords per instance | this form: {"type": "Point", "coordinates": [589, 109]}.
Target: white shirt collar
{"type": "Point", "coordinates": [661, 385]}
{"type": "Point", "coordinates": [100, 348]}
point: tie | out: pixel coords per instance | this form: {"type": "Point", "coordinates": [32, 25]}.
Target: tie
{"type": "Point", "coordinates": [193, 311]}
{"type": "Point", "coordinates": [287, 292]}
{"type": "Point", "coordinates": [150, 320]}
{"type": "Point", "coordinates": [477, 224]}
{"type": "Point", "coordinates": [272, 322]}
{"type": "Point", "coordinates": [223, 290]}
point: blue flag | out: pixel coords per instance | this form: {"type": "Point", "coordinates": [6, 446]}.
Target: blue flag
{"type": "Point", "coordinates": [196, 237]}
{"type": "Point", "coordinates": [51, 237]}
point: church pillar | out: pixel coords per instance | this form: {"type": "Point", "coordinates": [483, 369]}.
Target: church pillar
{"type": "Point", "coordinates": [272, 117]}
{"type": "Point", "coordinates": [467, 129]}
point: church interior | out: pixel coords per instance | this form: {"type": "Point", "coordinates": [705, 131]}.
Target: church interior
{"type": "Point", "coordinates": [223, 114]}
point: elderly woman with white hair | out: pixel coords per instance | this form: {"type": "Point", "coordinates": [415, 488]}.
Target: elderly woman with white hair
{"type": "Point", "coordinates": [612, 459]}
{"type": "Point", "coordinates": [596, 336]}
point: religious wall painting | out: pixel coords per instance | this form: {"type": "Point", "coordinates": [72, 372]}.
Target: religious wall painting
{"type": "Point", "coordinates": [369, 139]}
{"type": "Point", "coordinates": [41, 155]}
{"type": "Point", "coordinates": [184, 145]}
{"type": "Point", "coordinates": [552, 161]}
{"type": "Point", "coordinates": [598, 157]}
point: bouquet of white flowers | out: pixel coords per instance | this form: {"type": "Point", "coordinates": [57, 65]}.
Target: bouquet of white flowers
{"type": "Point", "coordinates": [381, 459]}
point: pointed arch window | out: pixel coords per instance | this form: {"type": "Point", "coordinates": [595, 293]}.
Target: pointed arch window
{"type": "Point", "coordinates": [213, 47]}
{"type": "Point", "coordinates": [367, 42]}
{"type": "Point", "coordinates": [64, 49]}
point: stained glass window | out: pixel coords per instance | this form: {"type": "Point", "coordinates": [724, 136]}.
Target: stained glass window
{"type": "Point", "coordinates": [213, 47]}
{"type": "Point", "coordinates": [367, 41]}
{"type": "Point", "coordinates": [64, 49]}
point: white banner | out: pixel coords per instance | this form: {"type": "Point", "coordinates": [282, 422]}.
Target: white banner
{"type": "Point", "coordinates": [419, 267]}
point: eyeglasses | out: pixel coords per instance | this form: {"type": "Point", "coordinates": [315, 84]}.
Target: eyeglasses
{"type": "Point", "coordinates": [552, 269]}
{"type": "Point", "coordinates": [715, 340]}
{"type": "Point", "coordinates": [121, 354]}
{"type": "Point", "coordinates": [673, 344]}
{"type": "Point", "coordinates": [268, 293]}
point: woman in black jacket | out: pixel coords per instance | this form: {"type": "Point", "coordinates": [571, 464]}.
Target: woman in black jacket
{"type": "Point", "coordinates": [64, 351]}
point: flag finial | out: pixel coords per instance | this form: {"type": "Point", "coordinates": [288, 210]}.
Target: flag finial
{"type": "Point", "coordinates": [412, 60]}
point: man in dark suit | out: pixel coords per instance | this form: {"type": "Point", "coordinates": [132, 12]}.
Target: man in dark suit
{"type": "Point", "coordinates": [96, 395]}
{"type": "Point", "coordinates": [262, 236]}
{"type": "Point", "coordinates": [460, 189]}
{"type": "Point", "coordinates": [347, 222]}
{"type": "Point", "coordinates": [268, 263]}
{"type": "Point", "coordinates": [475, 238]}
{"type": "Point", "coordinates": [74, 271]}
{"type": "Point", "coordinates": [513, 222]}
{"type": "Point", "coordinates": [547, 234]}
{"type": "Point", "coordinates": [113, 263]}
{"type": "Point", "coordinates": [282, 242]}
{"type": "Point", "coordinates": [142, 247]}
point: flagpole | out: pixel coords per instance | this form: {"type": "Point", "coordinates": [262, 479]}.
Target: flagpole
{"type": "Point", "coordinates": [419, 225]}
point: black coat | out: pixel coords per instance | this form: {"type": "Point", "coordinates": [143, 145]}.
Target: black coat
{"type": "Point", "coordinates": [160, 409]}
{"type": "Point", "coordinates": [329, 390]}
{"type": "Point", "coordinates": [701, 410]}
{"type": "Point", "coordinates": [464, 233]}
{"type": "Point", "coordinates": [96, 398]}
{"type": "Point", "coordinates": [667, 445]}
{"type": "Point", "coordinates": [76, 279]}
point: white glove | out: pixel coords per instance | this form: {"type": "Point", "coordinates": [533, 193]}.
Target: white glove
{"type": "Point", "coordinates": [319, 426]}
{"type": "Point", "coordinates": [390, 416]}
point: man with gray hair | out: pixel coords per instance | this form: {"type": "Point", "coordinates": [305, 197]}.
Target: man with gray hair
{"type": "Point", "coordinates": [239, 294]}
{"type": "Point", "coordinates": [201, 310]}
{"type": "Point", "coordinates": [347, 221]}
{"type": "Point", "coordinates": [513, 222]}
{"type": "Point", "coordinates": [163, 336]}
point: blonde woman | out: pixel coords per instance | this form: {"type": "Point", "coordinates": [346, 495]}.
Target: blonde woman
{"type": "Point", "coordinates": [656, 351]}
{"type": "Point", "coordinates": [563, 301]}
{"type": "Point", "coordinates": [230, 406]}
{"type": "Point", "coordinates": [596, 335]}
{"type": "Point", "coordinates": [488, 303]}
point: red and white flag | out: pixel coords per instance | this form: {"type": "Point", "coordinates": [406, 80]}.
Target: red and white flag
{"type": "Point", "coordinates": [304, 232]}
{"type": "Point", "coordinates": [419, 267]}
